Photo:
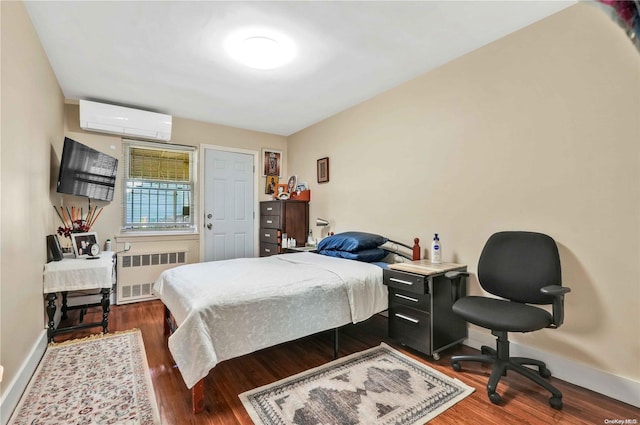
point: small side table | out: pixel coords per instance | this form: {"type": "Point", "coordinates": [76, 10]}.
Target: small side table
{"type": "Point", "coordinates": [420, 300]}
{"type": "Point", "coordinates": [78, 274]}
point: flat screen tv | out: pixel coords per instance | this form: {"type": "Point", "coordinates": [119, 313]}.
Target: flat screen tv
{"type": "Point", "coordinates": [86, 172]}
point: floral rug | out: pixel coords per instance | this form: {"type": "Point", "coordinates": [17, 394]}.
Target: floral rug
{"type": "Point", "coordinates": [102, 379]}
{"type": "Point", "coordinates": [379, 386]}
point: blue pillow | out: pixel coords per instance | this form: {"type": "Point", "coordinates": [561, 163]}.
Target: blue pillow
{"type": "Point", "coordinates": [366, 255]}
{"type": "Point", "coordinates": [351, 241]}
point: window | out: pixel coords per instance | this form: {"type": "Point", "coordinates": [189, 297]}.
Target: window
{"type": "Point", "coordinates": [159, 186]}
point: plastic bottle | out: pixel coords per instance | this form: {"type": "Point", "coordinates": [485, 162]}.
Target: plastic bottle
{"type": "Point", "coordinates": [436, 250]}
{"type": "Point", "coordinates": [107, 245]}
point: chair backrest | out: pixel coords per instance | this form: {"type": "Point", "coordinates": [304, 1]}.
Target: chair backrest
{"type": "Point", "coordinates": [515, 265]}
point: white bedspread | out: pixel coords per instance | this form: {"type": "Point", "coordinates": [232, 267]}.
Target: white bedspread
{"type": "Point", "coordinates": [226, 309]}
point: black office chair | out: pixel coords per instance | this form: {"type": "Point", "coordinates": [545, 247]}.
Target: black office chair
{"type": "Point", "coordinates": [523, 268]}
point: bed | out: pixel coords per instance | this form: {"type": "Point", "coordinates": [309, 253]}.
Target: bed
{"type": "Point", "coordinates": [224, 309]}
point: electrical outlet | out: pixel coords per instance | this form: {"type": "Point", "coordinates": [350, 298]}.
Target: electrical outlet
{"type": "Point", "coordinates": [127, 246]}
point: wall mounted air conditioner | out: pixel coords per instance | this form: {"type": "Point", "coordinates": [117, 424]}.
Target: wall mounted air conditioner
{"type": "Point", "coordinates": [104, 118]}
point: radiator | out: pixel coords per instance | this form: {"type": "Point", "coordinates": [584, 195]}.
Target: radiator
{"type": "Point", "coordinates": [137, 273]}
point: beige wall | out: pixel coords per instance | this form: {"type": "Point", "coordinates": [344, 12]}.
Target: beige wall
{"type": "Point", "coordinates": [186, 132]}
{"type": "Point", "coordinates": [32, 122]}
{"type": "Point", "coordinates": [537, 131]}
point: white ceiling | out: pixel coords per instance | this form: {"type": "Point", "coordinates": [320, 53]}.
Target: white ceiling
{"type": "Point", "coordinates": [168, 56]}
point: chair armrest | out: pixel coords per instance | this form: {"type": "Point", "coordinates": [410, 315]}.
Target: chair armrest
{"type": "Point", "coordinates": [557, 292]}
{"type": "Point", "coordinates": [456, 281]}
{"type": "Point", "coordinates": [455, 274]}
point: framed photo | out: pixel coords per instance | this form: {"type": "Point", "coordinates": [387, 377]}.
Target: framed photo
{"type": "Point", "coordinates": [271, 185]}
{"type": "Point", "coordinates": [292, 184]}
{"type": "Point", "coordinates": [323, 170]}
{"type": "Point", "coordinates": [82, 242]}
{"type": "Point", "coordinates": [271, 162]}
{"type": "Point", "coordinates": [280, 189]}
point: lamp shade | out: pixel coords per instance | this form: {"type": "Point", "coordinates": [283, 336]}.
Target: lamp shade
{"type": "Point", "coordinates": [322, 222]}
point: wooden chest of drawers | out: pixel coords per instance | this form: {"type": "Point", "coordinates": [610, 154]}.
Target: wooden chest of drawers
{"type": "Point", "coordinates": [279, 217]}
{"type": "Point", "coordinates": [420, 303]}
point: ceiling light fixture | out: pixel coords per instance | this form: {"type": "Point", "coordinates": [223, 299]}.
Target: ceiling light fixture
{"type": "Point", "coordinates": [260, 51]}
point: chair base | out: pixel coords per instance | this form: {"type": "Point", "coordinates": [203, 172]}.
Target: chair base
{"type": "Point", "coordinates": [502, 362]}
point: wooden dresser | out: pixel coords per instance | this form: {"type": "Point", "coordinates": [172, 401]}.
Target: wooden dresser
{"type": "Point", "coordinates": [278, 217]}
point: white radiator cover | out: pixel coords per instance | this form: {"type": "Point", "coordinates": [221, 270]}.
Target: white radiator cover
{"type": "Point", "coordinates": [137, 272]}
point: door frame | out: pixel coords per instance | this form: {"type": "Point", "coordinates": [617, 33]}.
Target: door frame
{"type": "Point", "coordinates": [256, 193]}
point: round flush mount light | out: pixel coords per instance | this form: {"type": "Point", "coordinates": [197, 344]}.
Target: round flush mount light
{"type": "Point", "coordinates": [260, 50]}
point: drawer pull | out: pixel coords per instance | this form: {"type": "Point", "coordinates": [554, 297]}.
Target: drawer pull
{"type": "Point", "coordinates": [269, 221]}
{"type": "Point", "coordinates": [404, 282]}
{"type": "Point", "coordinates": [415, 300]}
{"type": "Point", "coordinates": [407, 318]}
{"type": "Point", "coordinates": [269, 208]}
{"type": "Point", "coordinates": [267, 235]}
{"type": "Point", "coordinates": [267, 250]}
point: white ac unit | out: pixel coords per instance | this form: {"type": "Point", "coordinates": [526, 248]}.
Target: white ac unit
{"type": "Point", "coordinates": [113, 119]}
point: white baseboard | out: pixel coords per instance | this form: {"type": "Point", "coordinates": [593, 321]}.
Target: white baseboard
{"type": "Point", "coordinates": [11, 396]}
{"type": "Point", "coordinates": [614, 386]}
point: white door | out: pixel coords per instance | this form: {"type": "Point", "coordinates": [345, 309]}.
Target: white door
{"type": "Point", "coordinates": [228, 205]}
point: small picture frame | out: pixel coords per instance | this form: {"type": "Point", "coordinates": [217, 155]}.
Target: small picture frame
{"type": "Point", "coordinates": [271, 162]}
{"type": "Point", "coordinates": [323, 170]}
{"type": "Point", "coordinates": [82, 242]}
{"type": "Point", "coordinates": [271, 185]}
{"type": "Point", "coordinates": [280, 189]}
{"type": "Point", "coordinates": [292, 184]}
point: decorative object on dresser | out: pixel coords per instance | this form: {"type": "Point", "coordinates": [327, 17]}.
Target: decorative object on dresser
{"type": "Point", "coordinates": [420, 300]}
{"type": "Point", "coordinates": [98, 379]}
{"type": "Point", "coordinates": [278, 217]}
{"type": "Point", "coordinates": [376, 386]}
{"type": "Point", "coordinates": [323, 170]}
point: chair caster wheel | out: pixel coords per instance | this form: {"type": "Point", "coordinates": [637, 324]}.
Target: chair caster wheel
{"type": "Point", "coordinates": [456, 366]}
{"type": "Point", "coordinates": [495, 398]}
{"type": "Point", "coordinates": [556, 403]}
{"type": "Point", "coordinates": [485, 350]}
{"type": "Point", "coordinates": [545, 373]}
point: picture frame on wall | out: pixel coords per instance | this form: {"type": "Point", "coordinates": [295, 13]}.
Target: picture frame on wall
{"type": "Point", "coordinates": [271, 185]}
{"type": "Point", "coordinates": [81, 243]}
{"type": "Point", "coordinates": [271, 162]}
{"type": "Point", "coordinates": [323, 170]}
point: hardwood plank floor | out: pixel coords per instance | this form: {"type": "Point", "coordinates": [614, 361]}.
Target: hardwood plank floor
{"type": "Point", "coordinates": [523, 402]}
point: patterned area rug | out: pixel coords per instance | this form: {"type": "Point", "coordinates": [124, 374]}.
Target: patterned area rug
{"type": "Point", "coordinates": [374, 387]}
{"type": "Point", "coordinates": [102, 379]}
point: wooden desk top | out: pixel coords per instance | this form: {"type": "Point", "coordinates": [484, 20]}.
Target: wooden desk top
{"type": "Point", "coordinates": [426, 267]}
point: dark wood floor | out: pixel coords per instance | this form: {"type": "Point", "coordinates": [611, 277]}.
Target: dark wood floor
{"type": "Point", "coordinates": [522, 401]}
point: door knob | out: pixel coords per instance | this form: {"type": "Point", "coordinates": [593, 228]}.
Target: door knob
{"type": "Point", "coordinates": [209, 226]}
{"type": "Point", "coordinates": [209, 216]}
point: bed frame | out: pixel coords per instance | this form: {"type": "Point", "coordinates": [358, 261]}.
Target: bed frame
{"type": "Point", "coordinates": [197, 391]}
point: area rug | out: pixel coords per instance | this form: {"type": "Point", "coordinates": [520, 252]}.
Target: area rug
{"type": "Point", "coordinates": [102, 379]}
{"type": "Point", "coordinates": [374, 387]}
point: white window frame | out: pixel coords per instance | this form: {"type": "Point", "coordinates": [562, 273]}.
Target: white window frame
{"type": "Point", "coordinates": [128, 182]}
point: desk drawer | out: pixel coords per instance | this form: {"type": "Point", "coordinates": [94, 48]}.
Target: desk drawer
{"type": "Point", "coordinates": [409, 282]}
{"type": "Point", "coordinates": [270, 208]}
{"type": "Point", "coordinates": [411, 327]}
{"type": "Point", "coordinates": [269, 236]}
{"type": "Point", "coordinates": [270, 221]}
{"type": "Point", "coordinates": [267, 249]}
{"type": "Point", "coordinates": [409, 299]}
